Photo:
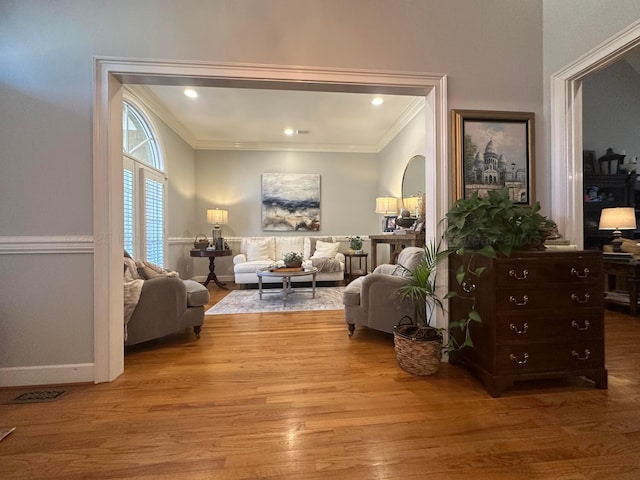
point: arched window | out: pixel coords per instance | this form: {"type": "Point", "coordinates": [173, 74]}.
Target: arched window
{"type": "Point", "coordinates": [144, 187]}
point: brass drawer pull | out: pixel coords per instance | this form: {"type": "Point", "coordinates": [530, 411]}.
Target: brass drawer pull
{"type": "Point", "coordinates": [525, 357]}
{"type": "Point", "coordinates": [524, 301]}
{"type": "Point", "coordinates": [513, 274]}
{"type": "Point", "coordinates": [584, 274]}
{"type": "Point", "coordinates": [577, 299]}
{"type": "Point", "coordinates": [575, 354]}
{"type": "Point", "coordinates": [520, 331]}
{"type": "Point", "coordinates": [586, 326]}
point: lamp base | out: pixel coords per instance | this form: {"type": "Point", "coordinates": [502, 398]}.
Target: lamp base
{"type": "Point", "coordinates": [617, 241]}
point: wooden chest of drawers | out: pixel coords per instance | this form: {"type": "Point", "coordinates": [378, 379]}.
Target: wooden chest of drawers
{"type": "Point", "coordinates": [542, 317]}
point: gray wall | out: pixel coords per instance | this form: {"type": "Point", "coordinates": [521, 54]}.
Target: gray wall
{"type": "Point", "coordinates": [571, 28]}
{"type": "Point", "coordinates": [490, 50]}
{"type": "Point", "coordinates": [611, 110]}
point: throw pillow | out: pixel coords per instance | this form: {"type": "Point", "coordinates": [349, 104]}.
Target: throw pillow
{"type": "Point", "coordinates": [409, 258]}
{"type": "Point", "coordinates": [326, 249]}
{"type": "Point", "coordinates": [148, 270]}
{"type": "Point", "coordinates": [310, 245]}
{"type": "Point", "coordinates": [130, 270]}
{"type": "Point", "coordinates": [258, 250]}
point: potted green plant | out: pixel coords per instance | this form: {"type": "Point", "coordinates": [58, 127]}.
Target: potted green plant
{"type": "Point", "coordinates": [355, 243]}
{"type": "Point", "coordinates": [419, 344]}
{"type": "Point", "coordinates": [487, 226]}
{"type": "Point", "coordinates": [495, 223]}
{"type": "Point", "coordinates": [292, 259]}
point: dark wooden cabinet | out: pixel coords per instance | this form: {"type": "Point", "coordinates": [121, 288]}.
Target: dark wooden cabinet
{"type": "Point", "coordinates": [542, 317]}
{"type": "Point", "coordinates": [604, 191]}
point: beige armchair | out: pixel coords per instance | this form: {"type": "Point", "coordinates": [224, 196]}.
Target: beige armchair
{"type": "Point", "coordinates": [373, 300]}
{"type": "Point", "coordinates": [159, 304]}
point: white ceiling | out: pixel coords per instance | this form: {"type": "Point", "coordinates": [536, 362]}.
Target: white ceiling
{"type": "Point", "coordinates": [255, 119]}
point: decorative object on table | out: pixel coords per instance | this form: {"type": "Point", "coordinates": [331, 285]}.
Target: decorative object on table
{"type": "Point", "coordinates": [292, 259]}
{"type": "Point", "coordinates": [412, 211]}
{"type": "Point", "coordinates": [200, 242]}
{"type": "Point", "coordinates": [390, 223]}
{"type": "Point", "coordinates": [405, 220]}
{"type": "Point", "coordinates": [617, 219]}
{"type": "Point", "coordinates": [290, 202]}
{"type": "Point", "coordinates": [418, 344]}
{"type": "Point", "coordinates": [217, 218]}
{"type": "Point", "coordinates": [355, 244]}
{"type": "Point", "coordinates": [610, 162]}
{"type": "Point", "coordinates": [494, 150]}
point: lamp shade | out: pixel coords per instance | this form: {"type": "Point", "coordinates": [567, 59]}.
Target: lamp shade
{"type": "Point", "coordinates": [386, 205]}
{"type": "Point", "coordinates": [618, 218]}
{"type": "Point", "coordinates": [217, 217]}
{"type": "Point", "coordinates": [411, 204]}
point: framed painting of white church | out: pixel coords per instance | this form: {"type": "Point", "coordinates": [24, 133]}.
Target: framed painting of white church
{"type": "Point", "coordinates": [493, 151]}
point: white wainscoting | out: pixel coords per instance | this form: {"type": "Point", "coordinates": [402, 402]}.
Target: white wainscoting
{"type": "Point", "coordinates": [30, 245]}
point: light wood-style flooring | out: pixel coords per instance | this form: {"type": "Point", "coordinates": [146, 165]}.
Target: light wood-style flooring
{"type": "Point", "coordinates": [291, 396]}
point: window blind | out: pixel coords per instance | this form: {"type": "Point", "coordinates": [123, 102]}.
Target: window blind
{"type": "Point", "coordinates": [128, 212]}
{"type": "Point", "coordinates": [154, 220]}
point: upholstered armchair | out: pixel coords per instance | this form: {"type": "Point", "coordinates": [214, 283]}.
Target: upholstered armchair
{"type": "Point", "coordinates": [373, 300]}
{"type": "Point", "coordinates": [159, 303]}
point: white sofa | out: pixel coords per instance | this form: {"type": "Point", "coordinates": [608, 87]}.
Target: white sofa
{"type": "Point", "coordinates": [259, 252]}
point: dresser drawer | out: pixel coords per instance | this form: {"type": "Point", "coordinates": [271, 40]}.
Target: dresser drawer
{"type": "Point", "coordinates": [565, 357]}
{"type": "Point", "coordinates": [547, 326]}
{"type": "Point", "coordinates": [570, 296]}
{"type": "Point", "coordinates": [518, 271]}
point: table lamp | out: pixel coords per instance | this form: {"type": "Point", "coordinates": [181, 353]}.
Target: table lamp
{"type": "Point", "coordinates": [617, 219]}
{"type": "Point", "coordinates": [217, 217]}
{"type": "Point", "coordinates": [387, 206]}
{"type": "Point", "coordinates": [412, 204]}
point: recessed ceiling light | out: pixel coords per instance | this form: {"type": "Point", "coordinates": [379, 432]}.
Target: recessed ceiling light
{"type": "Point", "coordinates": [288, 131]}
{"type": "Point", "coordinates": [377, 101]}
{"type": "Point", "coordinates": [191, 93]}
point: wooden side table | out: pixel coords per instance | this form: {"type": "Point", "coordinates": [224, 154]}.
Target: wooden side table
{"type": "Point", "coordinates": [349, 272]}
{"type": "Point", "coordinates": [617, 293]}
{"type": "Point", "coordinates": [212, 255]}
{"type": "Point", "coordinates": [396, 244]}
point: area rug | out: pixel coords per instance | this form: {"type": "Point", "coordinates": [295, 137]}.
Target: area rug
{"type": "Point", "coordinates": [248, 301]}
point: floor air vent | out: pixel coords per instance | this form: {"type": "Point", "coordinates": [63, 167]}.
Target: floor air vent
{"type": "Point", "coordinates": [39, 396]}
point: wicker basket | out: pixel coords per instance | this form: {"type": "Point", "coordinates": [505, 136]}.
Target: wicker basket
{"type": "Point", "coordinates": [201, 242]}
{"type": "Point", "coordinates": [419, 356]}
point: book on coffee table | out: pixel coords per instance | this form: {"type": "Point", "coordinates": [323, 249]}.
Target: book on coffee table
{"type": "Point", "coordinates": [288, 269]}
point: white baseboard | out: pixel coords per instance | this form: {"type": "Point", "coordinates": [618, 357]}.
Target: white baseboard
{"type": "Point", "coordinates": [46, 375]}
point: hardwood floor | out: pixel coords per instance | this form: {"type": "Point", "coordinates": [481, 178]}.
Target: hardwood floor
{"type": "Point", "coordinates": [291, 396]}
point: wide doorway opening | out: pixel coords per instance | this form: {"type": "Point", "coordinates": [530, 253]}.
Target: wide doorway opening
{"type": "Point", "coordinates": [112, 74]}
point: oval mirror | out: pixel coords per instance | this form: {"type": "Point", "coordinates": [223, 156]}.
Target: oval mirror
{"type": "Point", "coordinates": [413, 179]}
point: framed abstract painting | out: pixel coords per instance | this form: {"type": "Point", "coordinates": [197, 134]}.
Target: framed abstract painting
{"type": "Point", "coordinates": [290, 202]}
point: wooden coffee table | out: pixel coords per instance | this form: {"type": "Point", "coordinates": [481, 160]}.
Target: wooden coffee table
{"type": "Point", "coordinates": [286, 274]}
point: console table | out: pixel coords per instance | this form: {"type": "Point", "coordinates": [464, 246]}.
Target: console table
{"type": "Point", "coordinates": [396, 244]}
{"type": "Point", "coordinates": [616, 292]}
{"type": "Point", "coordinates": [212, 255]}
